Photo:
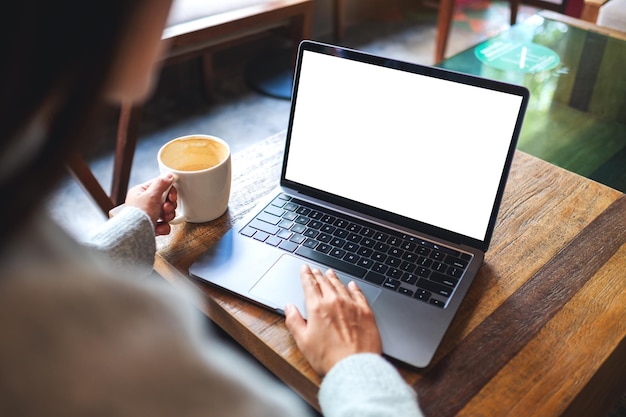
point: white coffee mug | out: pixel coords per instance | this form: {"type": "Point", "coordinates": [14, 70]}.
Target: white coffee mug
{"type": "Point", "coordinates": [201, 166]}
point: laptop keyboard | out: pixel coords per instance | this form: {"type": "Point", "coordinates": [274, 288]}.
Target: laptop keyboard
{"type": "Point", "coordinates": [398, 262]}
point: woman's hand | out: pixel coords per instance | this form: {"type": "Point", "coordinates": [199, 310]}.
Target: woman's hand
{"type": "Point", "coordinates": [151, 198]}
{"type": "Point", "coordinates": [339, 322]}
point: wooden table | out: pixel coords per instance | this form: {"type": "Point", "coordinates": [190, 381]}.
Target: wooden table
{"type": "Point", "coordinates": [541, 332]}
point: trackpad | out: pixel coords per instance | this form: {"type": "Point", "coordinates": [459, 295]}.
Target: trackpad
{"type": "Point", "coordinates": [281, 285]}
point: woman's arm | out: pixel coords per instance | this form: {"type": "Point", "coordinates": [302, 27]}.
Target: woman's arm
{"type": "Point", "coordinates": [127, 239]}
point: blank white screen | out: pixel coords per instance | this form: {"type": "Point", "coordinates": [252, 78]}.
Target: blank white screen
{"type": "Point", "coordinates": [424, 148]}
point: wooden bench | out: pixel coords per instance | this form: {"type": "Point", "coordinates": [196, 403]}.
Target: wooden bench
{"type": "Point", "coordinates": [197, 28]}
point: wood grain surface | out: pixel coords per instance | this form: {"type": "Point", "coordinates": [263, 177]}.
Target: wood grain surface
{"type": "Point", "coordinates": [541, 331]}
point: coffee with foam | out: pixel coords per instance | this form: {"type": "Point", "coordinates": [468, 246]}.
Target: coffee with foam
{"type": "Point", "coordinates": [193, 154]}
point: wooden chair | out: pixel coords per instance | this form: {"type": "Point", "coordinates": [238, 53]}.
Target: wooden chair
{"type": "Point", "coordinates": [444, 24]}
{"type": "Point", "coordinates": [197, 29]}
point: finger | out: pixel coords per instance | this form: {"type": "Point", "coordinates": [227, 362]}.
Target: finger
{"type": "Point", "coordinates": [310, 284]}
{"type": "Point", "coordinates": [356, 293]}
{"type": "Point", "coordinates": [138, 189]}
{"type": "Point", "coordinates": [168, 209]}
{"type": "Point", "coordinates": [323, 283]}
{"type": "Point", "coordinates": [172, 195]}
{"type": "Point", "coordinates": [333, 279]}
{"type": "Point", "coordinates": [295, 322]}
{"type": "Point", "coordinates": [162, 228]}
{"type": "Point", "coordinates": [160, 186]}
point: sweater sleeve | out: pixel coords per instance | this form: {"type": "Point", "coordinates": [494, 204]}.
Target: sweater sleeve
{"type": "Point", "coordinates": [127, 240]}
{"type": "Point", "coordinates": [366, 385]}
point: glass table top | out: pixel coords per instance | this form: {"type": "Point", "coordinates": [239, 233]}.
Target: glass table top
{"type": "Point", "coordinates": [576, 116]}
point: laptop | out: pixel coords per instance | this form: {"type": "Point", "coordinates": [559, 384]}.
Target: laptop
{"type": "Point", "coordinates": [392, 176]}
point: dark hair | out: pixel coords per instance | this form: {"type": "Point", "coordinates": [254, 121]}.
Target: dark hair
{"type": "Point", "coordinates": [62, 49]}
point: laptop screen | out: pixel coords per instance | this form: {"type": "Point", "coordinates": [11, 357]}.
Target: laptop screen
{"type": "Point", "coordinates": [418, 146]}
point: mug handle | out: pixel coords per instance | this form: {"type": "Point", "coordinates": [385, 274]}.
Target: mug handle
{"type": "Point", "coordinates": [180, 217]}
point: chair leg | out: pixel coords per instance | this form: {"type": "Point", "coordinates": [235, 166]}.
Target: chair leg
{"type": "Point", "coordinates": [127, 133]}
{"type": "Point", "coordinates": [514, 6]}
{"type": "Point", "coordinates": [444, 22]}
{"type": "Point", "coordinates": [79, 168]}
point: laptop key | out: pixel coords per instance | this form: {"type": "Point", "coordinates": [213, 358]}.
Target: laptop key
{"type": "Point", "coordinates": [289, 216]}
{"type": "Point", "coordinates": [323, 237]}
{"type": "Point", "coordinates": [248, 231]}
{"type": "Point", "coordinates": [409, 278]}
{"type": "Point", "coordinates": [269, 218]}
{"type": "Point", "coordinates": [353, 237]}
{"type": "Point", "coordinates": [302, 219]}
{"type": "Point", "coordinates": [380, 268]}
{"type": "Point", "coordinates": [381, 247]}
{"type": "Point", "coordinates": [392, 284]}
{"type": "Point", "coordinates": [437, 255]}
{"type": "Point", "coordinates": [395, 273]}
{"type": "Point", "coordinates": [423, 250]}
{"type": "Point", "coordinates": [454, 272]}
{"type": "Point", "coordinates": [421, 294]}
{"type": "Point", "coordinates": [285, 224]}
{"type": "Point", "coordinates": [261, 236]}
{"type": "Point", "coordinates": [456, 262]}
{"type": "Point", "coordinates": [442, 290]}
{"type": "Point", "coordinates": [337, 253]}
{"type": "Point", "coordinates": [297, 239]}
{"type": "Point", "coordinates": [288, 246]}
{"type": "Point", "coordinates": [311, 233]}
{"type": "Point", "coordinates": [334, 263]}
{"type": "Point", "coordinates": [439, 267]}
{"type": "Point", "coordinates": [298, 228]}
{"type": "Point", "coordinates": [341, 223]}
{"type": "Point", "coordinates": [405, 291]}
{"type": "Point", "coordinates": [444, 279]}
{"type": "Point", "coordinates": [351, 257]}
{"type": "Point", "coordinates": [273, 240]}
{"type": "Point", "coordinates": [290, 206]}
{"type": "Point", "coordinates": [408, 246]}
{"type": "Point", "coordinates": [328, 229]}
{"type": "Point", "coordinates": [276, 211]}
{"type": "Point", "coordinates": [284, 234]}
{"type": "Point", "coordinates": [350, 247]}
{"type": "Point", "coordinates": [437, 303]}
{"type": "Point", "coordinates": [265, 227]}
{"type": "Point", "coordinates": [328, 219]}
{"type": "Point", "coordinates": [380, 236]}
{"type": "Point", "coordinates": [323, 247]}
{"type": "Point", "coordinates": [310, 243]}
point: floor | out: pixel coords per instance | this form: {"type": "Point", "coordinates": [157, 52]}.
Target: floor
{"type": "Point", "coordinates": [242, 116]}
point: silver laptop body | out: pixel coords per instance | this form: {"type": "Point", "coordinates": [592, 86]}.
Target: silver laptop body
{"type": "Point", "coordinates": [402, 162]}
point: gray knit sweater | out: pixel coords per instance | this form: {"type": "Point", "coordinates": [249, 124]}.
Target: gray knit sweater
{"type": "Point", "coordinates": [82, 335]}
